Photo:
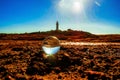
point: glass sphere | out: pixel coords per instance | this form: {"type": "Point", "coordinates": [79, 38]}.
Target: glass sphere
{"type": "Point", "coordinates": [51, 45]}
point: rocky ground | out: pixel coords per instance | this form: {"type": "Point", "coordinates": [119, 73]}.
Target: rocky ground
{"type": "Point", "coordinates": [25, 60]}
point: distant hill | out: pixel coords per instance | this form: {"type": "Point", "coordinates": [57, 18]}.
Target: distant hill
{"type": "Point", "coordinates": [69, 35]}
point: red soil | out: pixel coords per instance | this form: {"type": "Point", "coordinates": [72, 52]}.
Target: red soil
{"type": "Point", "coordinates": [25, 60]}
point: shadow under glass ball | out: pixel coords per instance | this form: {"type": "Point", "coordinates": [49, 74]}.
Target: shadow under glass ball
{"type": "Point", "coordinates": [51, 45]}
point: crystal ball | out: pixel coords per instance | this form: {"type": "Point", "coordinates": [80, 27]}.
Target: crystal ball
{"type": "Point", "coordinates": [51, 45]}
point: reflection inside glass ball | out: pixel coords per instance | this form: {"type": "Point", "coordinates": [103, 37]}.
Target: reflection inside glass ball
{"type": "Point", "coordinates": [51, 45]}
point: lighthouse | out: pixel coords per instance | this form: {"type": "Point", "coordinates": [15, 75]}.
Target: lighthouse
{"type": "Point", "coordinates": [57, 26]}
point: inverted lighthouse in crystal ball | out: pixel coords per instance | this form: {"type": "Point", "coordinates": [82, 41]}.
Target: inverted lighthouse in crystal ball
{"type": "Point", "coordinates": [51, 45]}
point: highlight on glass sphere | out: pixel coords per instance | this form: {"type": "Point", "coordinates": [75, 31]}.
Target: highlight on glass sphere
{"type": "Point", "coordinates": [51, 45]}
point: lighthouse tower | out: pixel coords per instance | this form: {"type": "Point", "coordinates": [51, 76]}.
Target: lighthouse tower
{"type": "Point", "coordinates": [57, 26]}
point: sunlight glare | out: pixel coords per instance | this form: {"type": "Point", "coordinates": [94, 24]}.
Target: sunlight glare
{"type": "Point", "coordinates": [72, 6]}
{"type": "Point", "coordinates": [77, 7]}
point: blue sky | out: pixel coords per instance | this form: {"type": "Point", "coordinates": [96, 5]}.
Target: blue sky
{"type": "Point", "coordinates": [95, 16]}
